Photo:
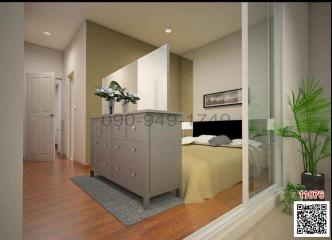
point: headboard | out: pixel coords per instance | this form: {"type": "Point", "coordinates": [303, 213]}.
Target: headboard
{"type": "Point", "coordinates": [230, 128]}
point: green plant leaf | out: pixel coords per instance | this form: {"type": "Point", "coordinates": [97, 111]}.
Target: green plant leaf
{"type": "Point", "coordinates": [311, 110]}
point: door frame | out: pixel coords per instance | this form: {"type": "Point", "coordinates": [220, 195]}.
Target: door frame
{"type": "Point", "coordinates": [71, 129]}
{"type": "Point", "coordinates": [59, 115]}
{"type": "Point", "coordinates": [28, 122]}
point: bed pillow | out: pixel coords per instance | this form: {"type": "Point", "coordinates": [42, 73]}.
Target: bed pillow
{"type": "Point", "coordinates": [219, 140]}
{"type": "Point", "coordinates": [255, 143]}
{"type": "Point", "coordinates": [203, 139]}
{"type": "Point", "coordinates": [188, 140]}
{"type": "Point", "coordinates": [236, 142]}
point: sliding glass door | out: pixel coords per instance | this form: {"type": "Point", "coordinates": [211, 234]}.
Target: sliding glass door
{"type": "Point", "coordinates": [263, 81]}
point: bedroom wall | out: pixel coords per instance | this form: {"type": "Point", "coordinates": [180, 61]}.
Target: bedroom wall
{"type": "Point", "coordinates": [216, 68]}
{"type": "Point", "coordinates": [75, 62]}
{"type": "Point", "coordinates": [38, 59]}
{"type": "Point", "coordinates": [320, 56]}
{"type": "Point", "coordinates": [295, 66]}
{"type": "Point", "coordinates": [43, 59]}
{"type": "Point", "coordinates": [11, 107]}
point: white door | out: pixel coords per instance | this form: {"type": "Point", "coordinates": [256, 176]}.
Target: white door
{"type": "Point", "coordinates": [41, 93]}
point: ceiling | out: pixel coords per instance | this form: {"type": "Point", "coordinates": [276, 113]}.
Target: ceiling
{"type": "Point", "coordinates": [193, 24]}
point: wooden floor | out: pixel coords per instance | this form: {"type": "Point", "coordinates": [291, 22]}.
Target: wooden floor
{"type": "Point", "coordinates": [56, 209]}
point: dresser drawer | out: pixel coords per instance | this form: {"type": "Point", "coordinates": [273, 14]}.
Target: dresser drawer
{"type": "Point", "coordinates": [104, 165]}
{"type": "Point", "coordinates": [128, 150]}
{"type": "Point", "coordinates": [94, 160]}
{"type": "Point", "coordinates": [95, 127]}
{"type": "Point", "coordinates": [118, 130]}
{"type": "Point", "coordinates": [118, 172]}
{"type": "Point", "coordinates": [135, 177]}
{"type": "Point", "coordinates": [127, 174]}
{"type": "Point", "coordinates": [137, 129]}
{"type": "Point", "coordinates": [135, 151]}
{"type": "Point", "coordinates": [106, 130]}
{"type": "Point", "coordinates": [95, 144]}
{"type": "Point", "coordinates": [105, 146]}
{"type": "Point", "coordinates": [101, 163]}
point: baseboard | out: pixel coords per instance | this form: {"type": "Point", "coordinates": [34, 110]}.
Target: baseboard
{"type": "Point", "coordinates": [86, 166]}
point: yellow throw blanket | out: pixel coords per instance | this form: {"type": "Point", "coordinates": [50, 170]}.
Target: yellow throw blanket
{"type": "Point", "coordinates": [208, 170]}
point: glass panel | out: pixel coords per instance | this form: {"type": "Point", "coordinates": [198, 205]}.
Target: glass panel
{"type": "Point", "coordinates": [261, 97]}
{"type": "Point", "coordinates": [147, 77]}
{"type": "Point", "coordinates": [152, 72]}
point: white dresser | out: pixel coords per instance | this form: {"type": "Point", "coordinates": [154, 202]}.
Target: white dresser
{"type": "Point", "coordinates": [140, 151]}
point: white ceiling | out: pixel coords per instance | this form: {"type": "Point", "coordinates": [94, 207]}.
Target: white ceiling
{"type": "Point", "coordinates": [193, 24]}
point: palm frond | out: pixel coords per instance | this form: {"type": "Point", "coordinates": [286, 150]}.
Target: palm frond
{"type": "Point", "coordinates": [326, 149]}
{"type": "Point", "coordinates": [311, 111]}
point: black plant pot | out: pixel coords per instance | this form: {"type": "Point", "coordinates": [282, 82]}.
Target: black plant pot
{"type": "Point", "coordinates": [313, 182]}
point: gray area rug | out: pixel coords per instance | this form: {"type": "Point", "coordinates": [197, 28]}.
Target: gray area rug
{"type": "Point", "coordinates": [123, 204]}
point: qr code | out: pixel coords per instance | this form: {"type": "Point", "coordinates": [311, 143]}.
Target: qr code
{"type": "Point", "coordinates": [312, 219]}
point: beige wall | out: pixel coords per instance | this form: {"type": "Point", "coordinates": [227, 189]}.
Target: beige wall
{"type": "Point", "coordinates": [11, 121]}
{"type": "Point", "coordinates": [174, 84]}
{"type": "Point", "coordinates": [186, 89]}
{"type": "Point", "coordinates": [320, 56]}
{"type": "Point", "coordinates": [295, 66]}
{"type": "Point", "coordinates": [180, 97]}
{"type": "Point", "coordinates": [217, 67]}
{"type": "Point", "coordinates": [75, 62]}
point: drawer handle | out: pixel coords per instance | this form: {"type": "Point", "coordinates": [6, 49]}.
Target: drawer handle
{"type": "Point", "coordinates": [105, 144]}
{"type": "Point", "coordinates": [117, 168]}
{"type": "Point", "coordinates": [96, 143]}
{"type": "Point", "coordinates": [133, 174]}
{"type": "Point", "coordinates": [134, 128]}
{"type": "Point", "coordinates": [104, 164]}
{"type": "Point", "coordinates": [117, 146]}
{"type": "Point", "coordinates": [96, 127]}
{"type": "Point", "coordinates": [133, 149]}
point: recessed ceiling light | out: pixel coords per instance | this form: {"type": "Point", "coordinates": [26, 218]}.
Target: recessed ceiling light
{"type": "Point", "coordinates": [168, 30]}
{"type": "Point", "coordinates": [47, 33]}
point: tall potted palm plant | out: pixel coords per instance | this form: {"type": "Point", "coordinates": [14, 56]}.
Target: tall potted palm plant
{"type": "Point", "coordinates": [311, 128]}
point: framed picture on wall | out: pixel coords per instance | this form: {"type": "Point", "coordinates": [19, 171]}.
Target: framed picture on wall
{"type": "Point", "coordinates": [225, 98]}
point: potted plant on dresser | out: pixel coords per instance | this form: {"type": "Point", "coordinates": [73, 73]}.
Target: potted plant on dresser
{"type": "Point", "coordinates": [115, 93]}
{"type": "Point", "coordinates": [311, 112]}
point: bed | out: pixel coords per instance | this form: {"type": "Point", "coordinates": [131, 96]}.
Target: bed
{"type": "Point", "coordinates": [208, 170]}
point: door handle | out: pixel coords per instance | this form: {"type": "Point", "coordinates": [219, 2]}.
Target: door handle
{"type": "Point", "coordinates": [51, 115]}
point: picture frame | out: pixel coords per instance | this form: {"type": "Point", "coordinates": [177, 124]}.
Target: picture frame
{"type": "Point", "coordinates": [224, 98]}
